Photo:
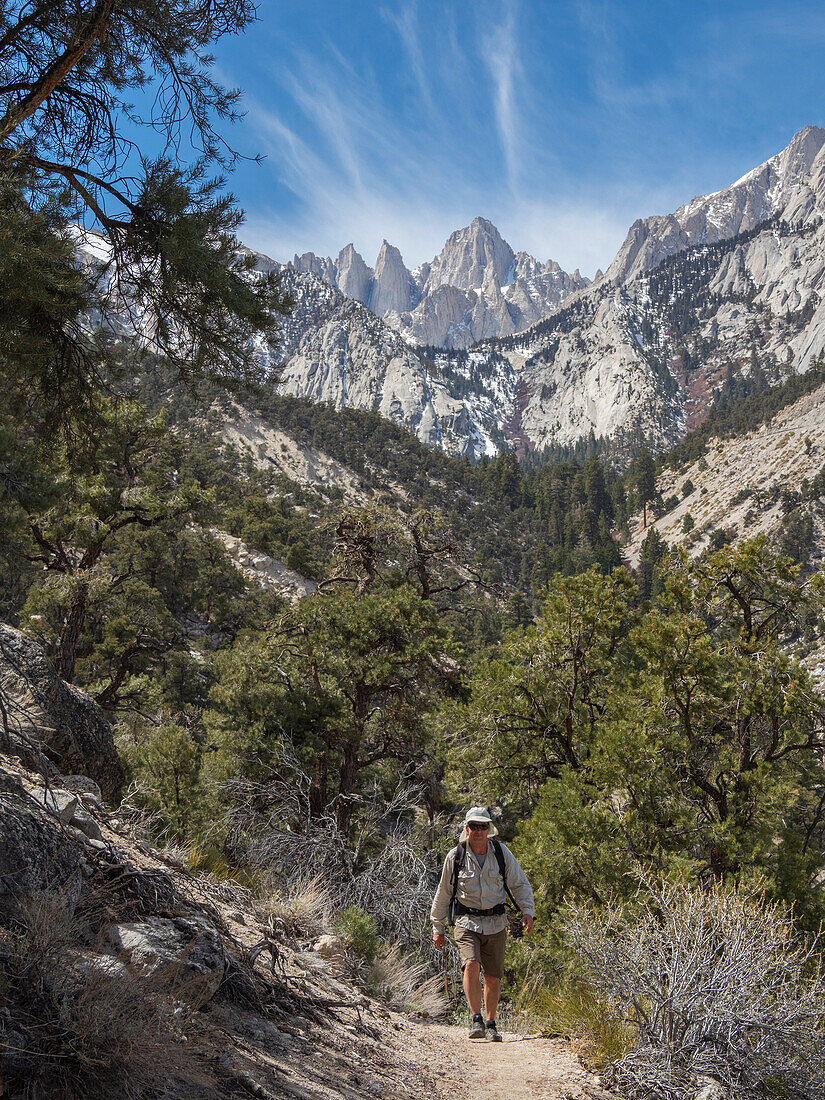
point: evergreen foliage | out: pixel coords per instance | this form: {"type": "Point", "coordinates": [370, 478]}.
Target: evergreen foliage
{"type": "Point", "coordinates": [473, 636]}
{"type": "Point", "coordinates": [168, 258]}
{"type": "Point", "coordinates": [682, 736]}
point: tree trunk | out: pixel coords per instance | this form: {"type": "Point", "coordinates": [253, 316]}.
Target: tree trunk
{"type": "Point", "coordinates": [319, 794]}
{"type": "Point", "coordinates": [70, 633]}
{"type": "Point", "coordinates": [346, 786]}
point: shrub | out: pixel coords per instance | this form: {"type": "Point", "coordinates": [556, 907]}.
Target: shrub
{"type": "Point", "coordinates": [574, 1009]}
{"type": "Point", "coordinates": [713, 983]}
{"type": "Point", "coordinates": [359, 933]}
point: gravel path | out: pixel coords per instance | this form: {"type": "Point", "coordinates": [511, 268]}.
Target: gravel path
{"type": "Point", "coordinates": [519, 1068]}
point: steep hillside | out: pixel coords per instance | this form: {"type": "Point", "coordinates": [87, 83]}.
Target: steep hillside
{"type": "Point", "coordinates": [336, 350]}
{"type": "Point", "coordinates": [127, 975]}
{"type": "Point", "coordinates": [746, 484]}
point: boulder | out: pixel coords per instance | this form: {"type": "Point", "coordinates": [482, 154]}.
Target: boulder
{"type": "Point", "coordinates": [34, 854]}
{"type": "Point", "coordinates": [330, 947]}
{"type": "Point", "coordinates": [82, 785]}
{"type": "Point", "coordinates": [67, 808]}
{"type": "Point", "coordinates": [66, 722]}
{"type": "Point", "coordinates": [62, 804]}
{"type": "Point", "coordinates": [83, 820]}
{"type": "Point", "coordinates": [187, 951]}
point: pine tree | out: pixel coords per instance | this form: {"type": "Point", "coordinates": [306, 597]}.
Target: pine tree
{"type": "Point", "coordinates": [644, 481]}
{"type": "Point", "coordinates": [71, 74]}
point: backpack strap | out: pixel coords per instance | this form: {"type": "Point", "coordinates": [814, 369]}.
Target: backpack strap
{"type": "Point", "coordinates": [499, 853]}
{"type": "Point", "coordinates": [458, 863]}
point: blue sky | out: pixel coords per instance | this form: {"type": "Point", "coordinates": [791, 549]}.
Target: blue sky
{"type": "Point", "coordinates": [562, 122]}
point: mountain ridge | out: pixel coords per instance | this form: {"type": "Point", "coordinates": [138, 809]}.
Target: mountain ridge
{"type": "Point", "coordinates": [493, 290]}
{"type": "Point", "coordinates": [730, 286]}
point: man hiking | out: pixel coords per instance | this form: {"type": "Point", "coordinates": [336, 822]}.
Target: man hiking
{"type": "Point", "coordinates": [473, 898]}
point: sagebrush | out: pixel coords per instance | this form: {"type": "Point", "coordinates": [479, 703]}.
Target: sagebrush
{"type": "Point", "coordinates": [713, 984]}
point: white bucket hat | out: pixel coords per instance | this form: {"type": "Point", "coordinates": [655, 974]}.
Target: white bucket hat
{"type": "Point", "coordinates": [477, 813]}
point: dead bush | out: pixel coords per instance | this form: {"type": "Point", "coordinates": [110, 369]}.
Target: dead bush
{"type": "Point", "coordinates": [273, 830]}
{"type": "Point", "coordinates": [82, 1025]}
{"type": "Point", "coordinates": [714, 984]}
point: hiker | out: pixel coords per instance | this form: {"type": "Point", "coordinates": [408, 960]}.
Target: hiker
{"type": "Point", "coordinates": [473, 900]}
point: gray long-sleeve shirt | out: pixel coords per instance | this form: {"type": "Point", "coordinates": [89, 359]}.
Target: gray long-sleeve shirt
{"type": "Point", "coordinates": [481, 888]}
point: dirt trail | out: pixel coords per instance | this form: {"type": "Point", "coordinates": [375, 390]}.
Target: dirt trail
{"type": "Point", "coordinates": [519, 1068]}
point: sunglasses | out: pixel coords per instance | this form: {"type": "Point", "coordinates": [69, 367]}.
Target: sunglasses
{"type": "Point", "coordinates": [475, 825]}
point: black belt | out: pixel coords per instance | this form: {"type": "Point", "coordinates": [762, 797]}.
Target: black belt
{"type": "Point", "coordinates": [463, 910]}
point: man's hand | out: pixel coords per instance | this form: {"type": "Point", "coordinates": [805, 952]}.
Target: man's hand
{"type": "Point", "coordinates": [528, 924]}
{"type": "Point", "coordinates": [439, 940]}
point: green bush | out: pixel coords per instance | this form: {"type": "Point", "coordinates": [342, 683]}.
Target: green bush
{"type": "Point", "coordinates": [359, 933]}
{"type": "Point", "coordinates": [574, 1009]}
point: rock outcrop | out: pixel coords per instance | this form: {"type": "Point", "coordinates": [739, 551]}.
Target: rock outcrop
{"type": "Point", "coordinates": [352, 276]}
{"type": "Point", "coordinates": [186, 951]}
{"type": "Point", "coordinates": [391, 288]}
{"type": "Point", "coordinates": [34, 854]}
{"type": "Point", "coordinates": [63, 721]}
{"type": "Point", "coordinates": [470, 257]}
{"type": "Point", "coordinates": [336, 350]}
{"type": "Point", "coordinates": [782, 186]}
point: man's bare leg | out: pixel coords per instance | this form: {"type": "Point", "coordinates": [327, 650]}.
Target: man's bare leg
{"type": "Point", "coordinates": [492, 992]}
{"type": "Point", "coordinates": [472, 987]}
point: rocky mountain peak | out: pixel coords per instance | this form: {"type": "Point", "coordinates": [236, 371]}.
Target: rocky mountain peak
{"type": "Point", "coordinates": [322, 267]}
{"type": "Point", "coordinates": [391, 288]}
{"type": "Point", "coordinates": [353, 277]}
{"type": "Point", "coordinates": [788, 185]}
{"type": "Point", "coordinates": [469, 255]}
{"type": "Point", "coordinates": [497, 291]}
{"type": "Point", "coordinates": [797, 159]}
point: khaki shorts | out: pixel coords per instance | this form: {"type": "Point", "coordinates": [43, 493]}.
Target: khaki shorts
{"type": "Point", "coordinates": [487, 950]}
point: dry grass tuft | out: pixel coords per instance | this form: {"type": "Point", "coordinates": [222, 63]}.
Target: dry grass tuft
{"type": "Point", "coordinates": [405, 983]}
{"type": "Point", "coordinates": [305, 911]}
{"type": "Point", "coordinates": [576, 1011]}
{"type": "Point", "coordinates": [80, 1025]}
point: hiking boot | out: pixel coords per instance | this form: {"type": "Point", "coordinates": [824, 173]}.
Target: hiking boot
{"type": "Point", "coordinates": [477, 1027]}
{"type": "Point", "coordinates": [492, 1032]}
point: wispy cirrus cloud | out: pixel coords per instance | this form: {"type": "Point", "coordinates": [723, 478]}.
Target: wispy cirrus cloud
{"type": "Point", "coordinates": [500, 52]}
{"type": "Point", "coordinates": [404, 19]}
{"type": "Point", "coordinates": [561, 123]}
{"type": "Point", "coordinates": [356, 167]}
